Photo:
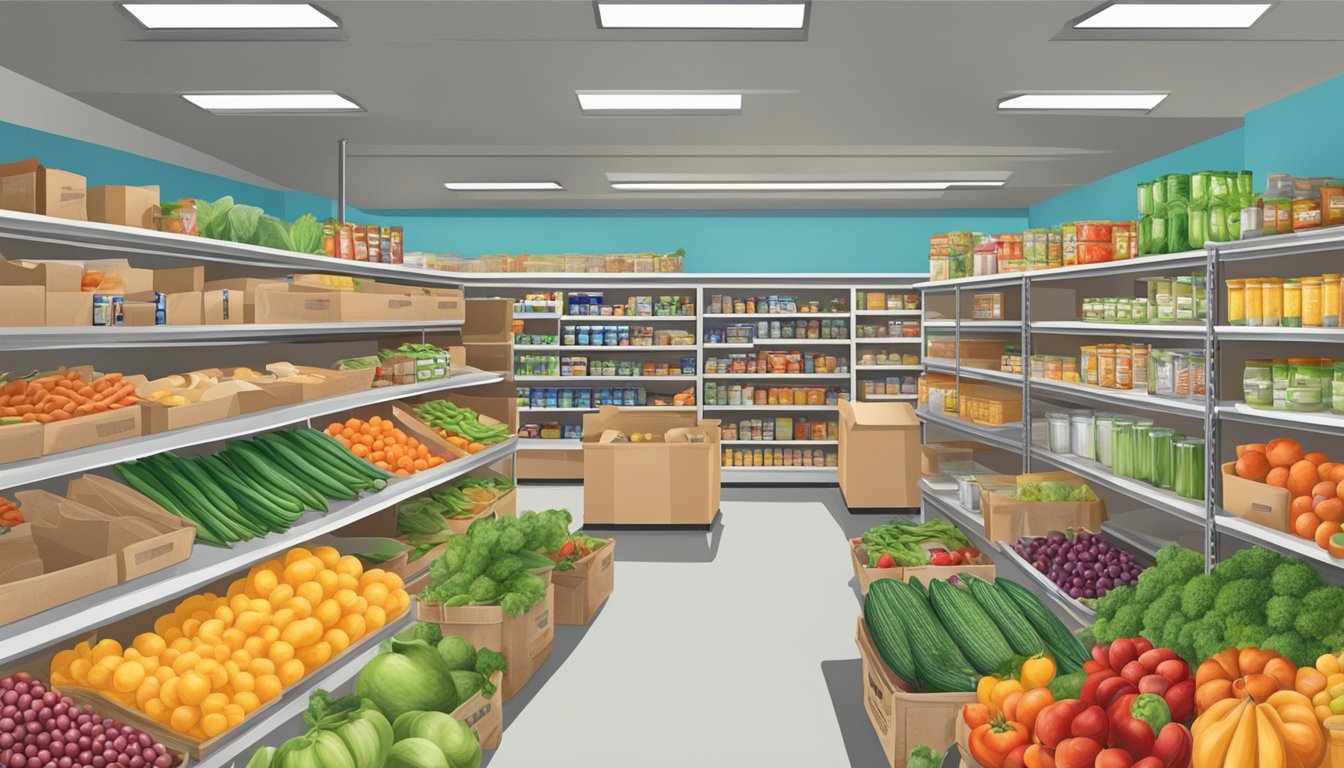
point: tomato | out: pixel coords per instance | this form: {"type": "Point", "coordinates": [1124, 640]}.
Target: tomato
{"type": "Point", "coordinates": [1038, 756]}
{"type": "Point", "coordinates": [1114, 758]}
{"type": "Point", "coordinates": [1017, 758]}
{"type": "Point", "coordinates": [1091, 723]}
{"type": "Point", "coordinates": [1031, 704]}
{"type": "Point", "coordinates": [1121, 652]}
{"type": "Point", "coordinates": [1054, 721]}
{"type": "Point", "coordinates": [969, 554]}
{"type": "Point", "coordinates": [1112, 688]}
{"type": "Point", "coordinates": [1174, 746]}
{"type": "Point", "coordinates": [975, 715]}
{"type": "Point", "coordinates": [992, 742]}
{"type": "Point", "coordinates": [940, 557]}
{"type": "Point", "coordinates": [1092, 683]}
{"type": "Point", "coordinates": [1152, 762]}
{"type": "Point", "coordinates": [886, 561]}
{"type": "Point", "coordinates": [1077, 753]}
{"type": "Point", "coordinates": [956, 557]}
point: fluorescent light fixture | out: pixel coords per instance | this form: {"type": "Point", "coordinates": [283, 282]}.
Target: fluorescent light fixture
{"type": "Point", "coordinates": [701, 15]}
{"type": "Point", "coordinates": [503, 186]}
{"type": "Point", "coordinates": [1123, 15]}
{"type": "Point", "coordinates": [1083, 102]}
{"type": "Point", "coordinates": [797, 186]}
{"type": "Point", "coordinates": [273, 103]}
{"type": "Point", "coordinates": [659, 102]}
{"type": "Point", "coordinates": [230, 16]}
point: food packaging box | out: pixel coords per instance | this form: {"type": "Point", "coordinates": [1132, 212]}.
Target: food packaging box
{"type": "Point", "coordinates": [331, 382]}
{"type": "Point", "coordinates": [900, 718]}
{"type": "Point", "coordinates": [24, 286]}
{"type": "Point", "coordinates": [446, 304]}
{"type": "Point", "coordinates": [384, 302]}
{"type": "Point", "coordinates": [271, 392]}
{"type": "Point", "coordinates": [990, 404]}
{"type": "Point", "coordinates": [133, 280]}
{"type": "Point", "coordinates": [551, 464]}
{"type": "Point", "coordinates": [222, 307]}
{"type": "Point", "coordinates": [127, 206]}
{"type": "Point", "coordinates": [488, 356]}
{"type": "Point", "coordinates": [525, 640]}
{"type": "Point", "coordinates": [581, 592]}
{"type": "Point", "coordinates": [180, 280]}
{"type": "Point", "coordinates": [1260, 503]}
{"type": "Point", "coordinates": [489, 321]}
{"type": "Point", "coordinates": [987, 306]}
{"type": "Point", "coordinates": [940, 459]}
{"type": "Point", "coordinates": [669, 481]}
{"type": "Point", "coordinates": [54, 276]}
{"type": "Point", "coordinates": [1007, 519]}
{"type": "Point", "coordinates": [50, 560]}
{"type": "Point", "coordinates": [497, 402]}
{"type": "Point", "coordinates": [485, 715]}
{"type": "Point", "coordinates": [179, 309]}
{"type": "Point", "coordinates": [145, 536]}
{"type": "Point", "coordinates": [866, 575]}
{"type": "Point", "coordinates": [68, 309]}
{"type": "Point", "coordinates": [879, 454]}
{"type": "Point", "coordinates": [946, 348]}
{"type": "Point", "coordinates": [297, 304]}
{"type": "Point", "coordinates": [20, 442]}
{"type": "Point", "coordinates": [94, 429]}
{"type": "Point", "coordinates": [201, 408]}
{"type": "Point", "coordinates": [242, 296]}
{"type": "Point", "coordinates": [30, 187]}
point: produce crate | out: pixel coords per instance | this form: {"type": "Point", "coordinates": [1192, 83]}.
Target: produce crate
{"type": "Point", "coordinates": [581, 592]}
{"type": "Point", "coordinates": [866, 575]}
{"type": "Point", "coordinates": [94, 429]}
{"type": "Point", "coordinates": [485, 715]}
{"type": "Point", "coordinates": [1007, 519]}
{"type": "Point", "coordinates": [901, 718]}
{"type": "Point", "coordinates": [20, 442]}
{"type": "Point", "coordinates": [1259, 503]}
{"type": "Point", "coordinates": [525, 640]}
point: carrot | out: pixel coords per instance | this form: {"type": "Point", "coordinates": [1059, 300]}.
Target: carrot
{"type": "Point", "coordinates": [45, 381]}
{"type": "Point", "coordinates": [69, 407]}
{"type": "Point", "coordinates": [42, 418]}
{"type": "Point", "coordinates": [16, 387]}
{"type": "Point", "coordinates": [128, 400]}
{"type": "Point", "coordinates": [59, 415]}
{"type": "Point", "coordinates": [65, 392]}
{"type": "Point", "coordinates": [113, 377]}
{"type": "Point", "coordinates": [115, 395]}
{"type": "Point", "coordinates": [86, 392]}
{"type": "Point", "coordinates": [25, 409]}
{"type": "Point", "coordinates": [101, 385]}
{"type": "Point", "coordinates": [7, 411]}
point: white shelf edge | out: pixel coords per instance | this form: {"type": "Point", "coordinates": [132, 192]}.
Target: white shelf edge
{"type": "Point", "coordinates": [778, 443]}
{"type": "Point", "coordinates": [630, 319]}
{"type": "Point", "coordinates": [1193, 408]}
{"type": "Point", "coordinates": [556, 444]}
{"type": "Point", "coordinates": [876, 398]}
{"type": "Point", "coordinates": [596, 408]}
{"type": "Point", "coordinates": [1285, 543]}
{"type": "Point", "coordinates": [1279, 334]}
{"type": "Point", "coordinates": [780, 475]}
{"type": "Point", "coordinates": [865, 368]}
{"type": "Point", "coordinates": [770, 407]}
{"type": "Point", "coordinates": [1157, 498]}
{"type": "Point", "coordinates": [85, 337]}
{"type": "Point", "coordinates": [1080, 328]}
{"type": "Point", "coordinates": [890, 340]}
{"type": "Point", "coordinates": [1007, 437]}
{"type": "Point", "coordinates": [774, 315]}
{"type": "Point", "coordinates": [679, 377]}
{"type": "Point", "coordinates": [683, 348]}
{"type": "Point", "coordinates": [1317, 421]}
{"type": "Point", "coordinates": [776, 376]}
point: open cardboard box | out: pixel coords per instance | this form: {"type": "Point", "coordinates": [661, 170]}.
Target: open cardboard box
{"type": "Point", "coordinates": [20, 442]}
{"type": "Point", "coordinates": [1260, 503]}
{"type": "Point", "coordinates": [119, 277]}
{"type": "Point", "coordinates": [488, 321]}
{"type": "Point", "coordinates": [525, 640]}
{"type": "Point", "coordinates": [942, 458]}
{"type": "Point", "coordinates": [30, 187]}
{"type": "Point", "coordinates": [272, 392]}
{"type": "Point", "coordinates": [668, 481]}
{"type": "Point", "coordinates": [203, 404]}
{"type": "Point", "coordinates": [485, 715]}
{"type": "Point", "coordinates": [127, 206]}
{"type": "Point", "coordinates": [94, 429]}
{"type": "Point", "coordinates": [24, 290]}
{"type": "Point", "coordinates": [879, 454]}
{"type": "Point", "coordinates": [145, 536]}
{"type": "Point", "coordinates": [581, 592]}
{"type": "Point", "coordinates": [51, 559]}
{"type": "Point", "coordinates": [1007, 519]}
{"type": "Point", "coordinates": [866, 575]}
{"type": "Point", "coordinates": [446, 304]}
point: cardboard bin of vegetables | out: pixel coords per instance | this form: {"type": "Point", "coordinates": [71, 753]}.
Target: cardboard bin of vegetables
{"type": "Point", "coordinates": [1036, 504]}
{"type": "Point", "coordinates": [584, 577]}
{"type": "Point", "coordinates": [932, 550]}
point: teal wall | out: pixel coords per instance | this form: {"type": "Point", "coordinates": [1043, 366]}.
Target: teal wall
{"type": "Point", "coordinates": [1299, 135]}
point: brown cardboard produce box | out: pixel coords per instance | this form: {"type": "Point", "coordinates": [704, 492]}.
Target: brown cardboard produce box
{"type": "Point", "coordinates": [180, 309]}
{"type": "Point", "coordinates": [1260, 503]}
{"type": "Point", "coordinates": [900, 718]}
{"type": "Point", "coordinates": [243, 293]}
{"type": "Point", "coordinates": [1007, 519]}
{"type": "Point", "coordinates": [30, 187]}
{"type": "Point", "coordinates": [272, 391]}
{"type": "Point", "coordinates": [222, 307]}
{"type": "Point", "coordinates": [200, 409]}
{"type": "Point", "coordinates": [497, 403]}
{"type": "Point", "coordinates": [128, 206]}
{"type": "Point", "coordinates": [446, 304]}
{"type": "Point", "coordinates": [49, 560]}
{"type": "Point", "coordinates": [146, 537]}
{"type": "Point", "coordinates": [507, 505]}
{"type": "Point", "coordinates": [525, 640]}
{"type": "Point", "coordinates": [879, 454]}
{"type": "Point", "coordinates": [938, 459]}
{"type": "Point", "coordinates": [297, 304]}
{"type": "Point", "coordinates": [866, 575]}
{"type": "Point", "coordinates": [550, 465]}
{"type": "Point", "coordinates": [20, 442]}
{"type": "Point", "coordinates": [580, 592]}
{"type": "Point", "coordinates": [24, 286]}
{"type": "Point", "coordinates": [667, 481]}
{"type": "Point", "coordinates": [94, 429]}
{"type": "Point", "coordinates": [485, 715]}
{"type": "Point", "coordinates": [119, 277]}
{"type": "Point", "coordinates": [488, 321]}
{"type": "Point", "coordinates": [491, 356]}
{"type": "Point", "coordinates": [69, 309]}
{"type": "Point", "coordinates": [332, 382]}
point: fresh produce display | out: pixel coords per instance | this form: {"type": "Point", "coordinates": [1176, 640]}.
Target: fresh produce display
{"type": "Point", "coordinates": [1055, 491]}
{"type": "Point", "coordinates": [216, 658]}
{"type": "Point", "coordinates": [1321, 684]}
{"type": "Point", "coordinates": [1085, 565]}
{"type": "Point", "coordinates": [493, 563]}
{"type": "Point", "coordinates": [575, 548]}
{"type": "Point", "coordinates": [1236, 674]}
{"type": "Point", "coordinates": [1246, 732]}
{"type": "Point", "coordinates": [10, 515]}
{"type": "Point", "coordinates": [1255, 597]}
{"type": "Point", "coordinates": [461, 426]}
{"type": "Point", "coordinates": [383, 444]}
{"type": "Point", "coordinates": [897, 544]}
{"type": "Point", "coordinates": [224, 220]}
{"type": "Point", "coordinates": [252, 487]}
{"type": "Point", "coordinates": [1127, 730]}
{"type": "Point", "coordinates": [40, 727]}
{"type": "Point", "coordinates": [65, 394]}
{"type": "Point", "coordinates": [1312, 480]}
{"type": "Point", "coordinates": [1133, 665]}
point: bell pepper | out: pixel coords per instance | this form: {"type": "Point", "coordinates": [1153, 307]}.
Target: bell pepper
{"type": "Point", "coordinates": [1037, 672]}
{"type": "Point", "coordinates": [992, 742]}
{"type": "Point", "coordinates": [1132, 723]}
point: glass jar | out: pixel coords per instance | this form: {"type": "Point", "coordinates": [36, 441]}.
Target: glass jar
{"type": "Point", "coordinates": [1188, 475]}
{"type": "Point", "coordinates": [1292, 304]}
{"type": "Point", "coordinates": [1280, 369]}
{"type": "Point", "coordinates": [1161, 457]}
{"type": "Point", "coordinates": [1257, 383]}
{"type": "Point", "coordinates": [1271, 302]}
{"type": "Point", "coordinates": [1161, 374]}
{"type": "Point", "coordinates": [1139, 373]}
{"type": "Point", "coordinates": [1327, 383]}
{"type": "Point", "coordinates": [1313, 302]}
{"type": "Point", "coordinates": [1198, 375]}
{"type": "Point", "coordinates": [1122, 447]}
{"type": "Point", "coordinates": [1330, 294]}
{"type": "Point", "coordinates": [1236, 302]}
{"type": "Point", "coordinates": [1057, 431]}
{"type": "Point", "coordinates": [1139, 464]}
{"type": "Point", "coordinates": [1304, 393]}
{"type": "Point", "coordinates": [1255, 301]}
{"type": "Point", "coordinates": [1337, 388]}
{"type": "Point", "coordinates": [1102, 442]}
{"type": "Point", "coordinates": [1082, 434]}
{"type": "Point", "coordinates": [1180, 374]}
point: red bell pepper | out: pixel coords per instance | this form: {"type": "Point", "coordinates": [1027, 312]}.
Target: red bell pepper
{"type": "Point", "coordinates": [993, 742]}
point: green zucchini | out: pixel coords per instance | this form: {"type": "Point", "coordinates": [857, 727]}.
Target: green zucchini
{"type": "Point", "coordinates": [324, 444]}
{"type": "Point", "coordinates": [303, 472]}
{"type": "Point", "coordinates": [888, 631]}
{"type": "Point", "coordinates": [252, 463]}
{"type": "Point", "coordinates": [248, 498]}
{"type": "Point", "coordinates": [291, 507]}
{"type": "Point", "coordinates": [970, 627]}
{"type": "Point", "coordinates": [1024, 640]}
{"type": "Point", "coordinates": [1068, 652]}
{"type": "Point", "coordinates": [144, 482]}
{"type": "Point", "coordinates": [939, 664]}
{"type": "Point", "coordinates": [194, 500]}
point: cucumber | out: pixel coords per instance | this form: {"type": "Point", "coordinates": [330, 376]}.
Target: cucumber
{"type": "Point", "coordinates": [1067, 650]}
{"type": "Point", "coordinates": [889, 634]}
{"type": "Point", "coordinates": [223, 504]}
{"type": "Point", "coordinates": [291, 507]}
{"type": "Point", "coordinates": [287, 496]}
{"type": "Point", "coordinates": [322, 443]}
{"type": "Point", "coordinates": [939, 663]}
{"type": "Point", "coordinates": [980, 640]}
{"type": "Point", "coordinates": [330, 472]}
{"type": "Point", "coordinates": [1024, 640]}
{"type": "Point", "coordinates": [309, 477]}
{"type": "Point", "coordinates": [146, 483]}
{"type": "Point", "coordinates": [193, 499]}
{"type": "Point", "coordinates": [255, 504]}
{"type": "Point", "coordinates": [251, 462]}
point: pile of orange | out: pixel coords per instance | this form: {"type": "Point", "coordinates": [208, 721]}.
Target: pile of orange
{"type": "Point", "coordinates": [216, 658]}
{"type": "Point", "coordinates": [381, 443]}
{"type": "Point", "coordinates": [1315, 484]}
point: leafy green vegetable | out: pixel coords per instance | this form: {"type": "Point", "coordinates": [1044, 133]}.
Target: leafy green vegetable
{"type": "Point", "coordinates": [214, 222]}
{"type": "Point", "coordinates": [306, 234]}
{"type": "Point", "coordinates": [924, 757]}
{"type": "Point", "coordinates": [243, 221]}
{"type": "Point", "coordinates": [902, 541]}
{"type": "Point", "coordinates": [487, 566]}
{"type": "Point", "coordinates": [321, 704]}
{"type": "Point", "coordinates": [274, 233]}
{"type": "Point", "coordinates": [489, 662]}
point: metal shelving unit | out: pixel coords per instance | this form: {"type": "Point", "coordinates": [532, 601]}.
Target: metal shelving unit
{"type": "Point", "coordinates": [60, 337]}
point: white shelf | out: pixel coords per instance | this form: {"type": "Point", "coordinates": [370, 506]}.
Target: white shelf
{"type": "Point", "coordinates": [978, 325]}
{"type": "Point", "coordinates": [209, 563]}
{"type": "Point", "coordinates": [971, 522]}
{"type": "Point", "coordinates": [777, 376]}
{"type": "Point", "coordinates": [980, 374]}
{"type": "Point", "coordinates": [630, 319]}
{"type": "Point", "coordinates": [536, 315]}
{"type": "Point", "coordinates": [1079, 328]}
{"type": "Point", "coordinates": [781, 475]}
{"type": "Point", "coordinates": [1117, 397]}
{"type": "Point", "coordinates": [1093, 471]}
{"type": "Point", "coordinates": [1322, 240]}
{"type": "Point", "coordinates": [85, 459]}
{"type": "Point", "coordinates": [978, 281]}
{"type": "Point", "coordinates": [88, 337]}
{"type": "Point", "coordinates": [569, 379]}
{"type": "Point", "coordinates": [780, 443]}
{"type": "Point", "coordinates": [773, 315]}
{"type": "Point", "coordinates": [863, 398]}
{"type": "Point", "coordinates": [1318, 421]}
{"type": "Point", "coordinates": [890, 340]}
{"type": "Point", "coordinates": [708, 345]}
{"type": "Point", "coordinates": [596, 408]}
{"type": "Point", "coordinates": [1125, 266]}
{"type": "Point", "coordinates": [1260, 333]}
{"type": "Point", "coordinates": [682, 348]}
{"type": "Point", "coordinates": [802, 342]}
{"type": "Point", "coordinates": [1007, 437]}
{"type": "Point", "coordinates": [888, 312]}
{"type": "Point", "coordinates": [537, 444]}
{"type": "Point", "coordinates": [1286, 543]}
{"type": "Point", "coordinates": [875, 368]}
{"type": "Point", "coordinates": [708, 408]}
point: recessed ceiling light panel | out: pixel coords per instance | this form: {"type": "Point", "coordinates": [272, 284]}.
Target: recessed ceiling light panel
{"type": "Point", "coordinates": [798, 186]}
{"type": "Point", "coordinates": [1082, 102]}
{"type": "Point", "coordinates": [273, 103]}
{"type": "Point", "coordinates": [230, 16]}
{"type": "Point", "coordinates": [647, 15]}
{"type": "Point", "coordinates": [659, 103]}
{"type": "Point", "coordinates": [1123, 15]}
{"type": "Point", "coordinates": [503, 186]}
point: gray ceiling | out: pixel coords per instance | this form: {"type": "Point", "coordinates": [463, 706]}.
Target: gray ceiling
{"type": "Point", "coordinates": [484, 90]}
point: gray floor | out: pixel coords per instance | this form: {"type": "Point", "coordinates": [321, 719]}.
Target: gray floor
{"type": "Point", "coordinates": [729, 648]}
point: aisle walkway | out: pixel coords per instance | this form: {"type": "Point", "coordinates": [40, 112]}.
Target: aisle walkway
{"type": "Point", "coordinates": [734, 648]}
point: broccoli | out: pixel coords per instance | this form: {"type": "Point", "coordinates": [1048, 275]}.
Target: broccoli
{"type": "Point", "coordinates": [488, 663]}
{"type": "Point", "coordinates": [1091, 634]}
{"type": "Point", "coordinates": [1249, 563]}
{"type": "Point", "coordinates": [1293, 646]}
{"type": "Point", "coordinates": [1156, 614]}
{"type": "Point", "coordinates": [1208, 639]}
{"type": "Point", "coordinates": [1294, 578]}
{"type": "Point", "coordinates": [521, 593]}
{"type": "Point", "coordinates": [1235, 621]}
{"type": "Point", "coordinates": [545, 531]}
{"type": "Point", "coordinates": [1197, 595]}
{"type": "Point", "coordinates": [1333, 642]}
{"type": "Point", "coordinates": [1325, 600]}
{"type": "Point", "coordinates": [1315, 624]}
{"type": "Point", "coordinates": [483, 590]}
{"type": "Point", "coordinates": [1171, 630]}
{"type": "Point", "coordinates": [923, 757]}
{"type": "Point", "coordinates": [1185, 641]}
{"type": "Point", "coordinates": [1242, 594]}
{"type": "Point", "coordinates": [505, 568]}
{"type": "Point", "coordinates": [1247, 635]}
{"type": "Point", "coordinates": [1115, 600]}
{"type": "Point", "coordinates": [426, 631]}
{"type": "Point", "coordinates": [1281, 612]}
{"type": "Point", "coordinates": [1185, 563]}
{"type": "Point", "coordinates": [1128, 621]}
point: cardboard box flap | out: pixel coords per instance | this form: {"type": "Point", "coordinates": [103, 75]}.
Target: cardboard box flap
{"type": "Point", "coordinates": [19, 556]}
{"type": "Point", "coordinates": [859, 415]}
{"type": "Point", "coordinates": [57, 276]}
{"type": "Point", "coordinates": [84, 529]}
{"type": "Point", "coordinates": [629, 420]}
{"type": "Point", "coordinates": [117, 500]}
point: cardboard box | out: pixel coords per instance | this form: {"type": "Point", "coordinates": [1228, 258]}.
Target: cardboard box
{"type": "Point", "coordinates": [69, 310]}
{"type": "Point", "coordinates": [180, 280]}
{"type": "Point", "coordinates": [550, 465]}
{"type": "Point", "coordinates": [497, 402]}
{"type": "Point", "coordinates": [58, 276]}
{"type": "Point", "coordinates": [50, 560]}
{"type": "Point", "coordinates": [24, 286]}
{"type": "Point", "coordinates": [271, 392]}
{"type": "Point", "coordinates": [127, 206]}
{"type": "Point", "coordinates": [20, 442]}
{"type": "Point", "coordinates": [446, 304]}
{"type": "Point", "coordinates": [94, 429]}
{"type": "Point", "coordinates": [525, 640]}
{"type": "Point", "coordinates": [30, 187]}
{"type": "Point", "coordinates": [222, 307]}
{"type": "Point", "coordinates": [145, 536]}
{"type": "Point", "coordinates": [879, 454]}
{"type": "Point", "coordinates": [180, 309]}
{"type": "Point", "coordinates": [496, 357]}
{"type": "Point", "coordinates": [900, 718]}
{"type": "Point", "coordinates": [488, 321]}
{"type": "Point", "coordinates": [1260, 503]}
{"type": "Point", "coordinates": [581, 592]}
{"type": "Point", "coordinates": [298, 304]}
{"type": "Point", "coordinates": [940, 459]}
{"type": "Point", "coordinates": [242, 296]}
{"type": "Point", "coordinates": [157, 417]}
{"type": "Point", "coordinates": [1007, 519]}
{"type": "Point", "coordinates": [485, 716]}
{"type": "Point", "coordinates": [131, 280]}
{"type": "Point", "coordinates": [669, 481]}
{"type": "Point", "coordinates": [867, 575]}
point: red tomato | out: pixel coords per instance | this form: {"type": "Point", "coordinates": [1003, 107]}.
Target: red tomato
{"type": "Point", "coordinates": [1053, 723]}
{"type": "Point", "coordinates": [1121, 652]}
{"type": "Point", "coordinates": [969, 554]}
{"type": "Point", "coordinates": [1091, 723]}
{"type": "Point", "coordinates": [886, 561]}
{"type": "Point", "coordinates": [1017, 758]}
{"type": "Point", "coordinates": [1114, 758]}
{"type": "Point", "coordinates": [1174, 746]}
{"type": "Point", "coordinates": [1077, 753]}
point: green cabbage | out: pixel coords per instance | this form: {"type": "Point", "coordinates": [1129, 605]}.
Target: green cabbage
{"type": "Point", "coordinates": [306, 234]}
{"type": "Point", "coordinates": [457, 653]}
{"type": "Point", "coordinates": [416, 753]}
{"type": "Point", "coordinates": [243, 220]}
{"type": "Point", "coordinates": [410, 677]}
{"type": "Point", "coordinates": [274, 233]}
{"type": "Point", "coordinates": [453, 738]}
{"type": "Point", "coordinates": [212, 219]}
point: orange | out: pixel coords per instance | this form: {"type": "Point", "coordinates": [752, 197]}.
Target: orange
{"type": "Point", "coordinates": [1284, 452]}
{"type": "Point", "coordinates": [1325, 489]}
{"type": "Point", "coordinates": [192, 688]}
{"type": "Point", "coordinates": [1301, 505]}
{"type": "Point", "coordinates": [1253, 466]}
{"type": "Point", "coordinates": [291, 672]}
{"type": "Point", "coordinates": [1277, 477]}
{"type": "Point", "coordinates": [268, 687]}
{"type": "Point", "coordinates": [1302, 477]}
{"type": "Point", "coordinates": [1336, 547]}
{"type": "Point", "coordinates": [1330, 510]}
{"type": "Point", "coordinates": [1323, 533]}
{"type": "Point", "coordinates": [1305, 525]}
{"type": "Point", "coordinates": [1316, 457]}
{"type": "Point", "coordinates": [184, 718]}
{"type": "Point", "coordinates": [1337, 473]}
{"type": "Point", "coordinates": [1243, 449]}
{"type": "Point", "coordinates": [214, 724]}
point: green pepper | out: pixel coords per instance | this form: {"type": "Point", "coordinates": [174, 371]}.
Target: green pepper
{"type": "Point", "coordinates": [1151, 709]}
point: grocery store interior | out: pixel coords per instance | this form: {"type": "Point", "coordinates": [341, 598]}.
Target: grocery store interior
{"type": "Point", "coordinates": [953, 383]}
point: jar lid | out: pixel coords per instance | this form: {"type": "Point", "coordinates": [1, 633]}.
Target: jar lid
{"type": "Point", "coordinates": [1056, 415]}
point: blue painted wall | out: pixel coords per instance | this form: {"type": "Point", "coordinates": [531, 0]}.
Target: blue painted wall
{"type": "Point", "coordinates": [1299, 135]}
